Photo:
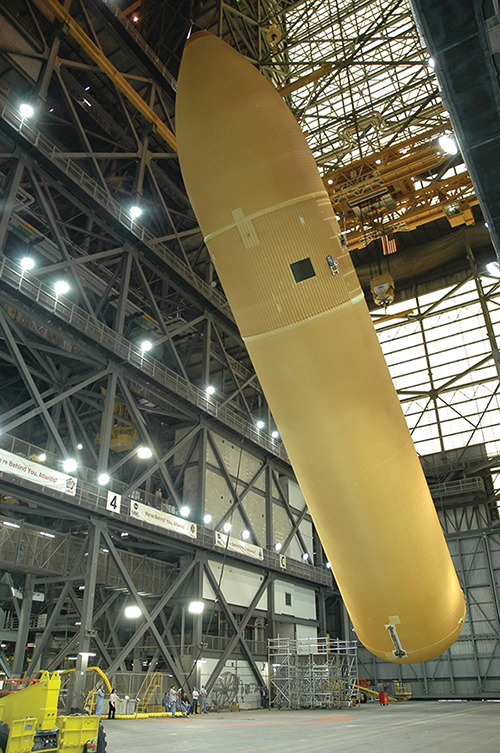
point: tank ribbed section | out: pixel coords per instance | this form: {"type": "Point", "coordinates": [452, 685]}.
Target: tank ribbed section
{"type": "Point", "coordinates": [254, 259]}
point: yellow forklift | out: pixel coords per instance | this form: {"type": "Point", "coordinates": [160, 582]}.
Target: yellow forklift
{"type": "Point", "coordinates": [29, 720]}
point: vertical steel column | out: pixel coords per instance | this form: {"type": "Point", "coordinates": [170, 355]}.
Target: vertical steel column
{"type": "Point", "coordinates": [9, 201]}
{"type": "Point", "coordinates": [269, 507]}
{"type": "Point", "coordinates": [271, 607]}
{"type": "Point", "coordinates": [107, 425]}
{"type": "Point", "coordinates": [473, 635]}
{"type": "Point", "coordinates": [321, 612]}
{"type": "Point", "coordinates": [76, 696]}
{"type": "Point", "coordinates": [197, 623]}
{"type": "Point", "coordinates": [24, 626]}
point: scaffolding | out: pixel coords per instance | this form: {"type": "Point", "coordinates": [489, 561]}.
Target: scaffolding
{"type": "Point", "coordinates": [312, 673]}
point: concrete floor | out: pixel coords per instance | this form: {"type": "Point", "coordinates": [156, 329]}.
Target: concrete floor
{"type": "Point", "coordinates": [413, 727]}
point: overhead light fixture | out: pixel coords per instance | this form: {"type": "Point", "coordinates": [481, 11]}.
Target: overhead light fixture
{"type": "Point", "coordinates": [135, 19]}
{"type": "Point", "coordinates": [227, 527]}
{"type": "Point", "coordinates": [105, 551]}
{"type": "Point", "coordinates": [210, 389]}
{"type": "Point", "coordinates": [305, 556]}
{"type": "Point", "coordinates": [103, 479]}
{"type": "Point", "coordinates": [448, 144]}
{"type": "Point", "coordinates": [47, 535]}
{"type": "Point", "coordinates": [132, 612]}
{"type": "Point", "coordinates": [487, 225]}
{"type": "Point", "coordinates": [378, 161]}
{"type": "Point", "coordinates": [207, 519]}
{"type": "Point", "coordinates": [184, 511]}
{"type": "Point", "coordinates": [42, 457]}
{"type": "Point", "coordinates": [26, 110]}
{"type": "Point", "coordinates": [79, 446]}
{"type": "Point", "coordinates": [27, 262]}
{"type": "Point", "coordinates": [260, 424]}
{"type": "Point", "coordinates": [330, 181]}
{"type": "Point", "coordinates": [70, 465]}
{"type": "Point", "coordinates": [278, 546]}
{"type": "Point", "coordinates": [11, 525]}
{"type": "Point", "coordinates": [196, 607]}
{"type": "Point", "coordinates": [86, 653]}
{"type": "Point", "coordinates": [328, 566]}
{"type": "Point", "coordinates": [431, 63]}
{"type": "Point", "coordinates": [61, 287]}
{"type": "Point", "coordinates": [124, 534]}
{"type": "Point", "coordinates": [146, 345]}
{"type": "Point", "coordinates": [245, 534]}
{"type": "Point", "coordinates": [493, 268]}
{"type": "Point", "coordinates": [87, 88]}
{"type": "Point", "coordinates": [275, 434]}
{"type": "Point", "coordinates": [135, 212]}
{"type": "Point", "coordinates": [144, 453]}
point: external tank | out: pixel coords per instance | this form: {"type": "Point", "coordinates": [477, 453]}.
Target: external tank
{"type": "Point", "coordinates": [271, 232]}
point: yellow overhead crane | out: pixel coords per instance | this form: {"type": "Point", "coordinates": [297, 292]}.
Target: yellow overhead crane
{"type": "Point", "coordinates": [379, 194]}
{"type": "Point", "coordinates": [111, 72]}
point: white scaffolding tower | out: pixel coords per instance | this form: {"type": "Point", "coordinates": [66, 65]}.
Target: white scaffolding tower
{"type": "Point", "coordinates": [312, 673]}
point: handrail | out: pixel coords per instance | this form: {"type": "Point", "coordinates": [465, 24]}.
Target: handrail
{"type": "Point", "coordinates": [87, 326]}
{"type": "Point", "coordinates": [70, 168]}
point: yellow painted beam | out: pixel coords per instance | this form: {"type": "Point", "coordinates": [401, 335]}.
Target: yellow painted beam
{"type": "Point", "coordinates": [111, 72]}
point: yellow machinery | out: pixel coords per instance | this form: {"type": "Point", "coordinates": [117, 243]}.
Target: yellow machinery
{"type": "Point", "coordinates": [30, 722]}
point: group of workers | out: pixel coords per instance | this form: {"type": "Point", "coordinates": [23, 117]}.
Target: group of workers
{"type": "Point", "coordinates": [178, 701]}
{"type": "Point", "coordinates": [174, 700]}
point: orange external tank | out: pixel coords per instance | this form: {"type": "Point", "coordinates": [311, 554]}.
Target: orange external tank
{"type": "Point", "coordinates": [273, 237]}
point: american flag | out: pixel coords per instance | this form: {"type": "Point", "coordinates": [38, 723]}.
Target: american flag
{"type": "Point", "coordinates": [388, 245]}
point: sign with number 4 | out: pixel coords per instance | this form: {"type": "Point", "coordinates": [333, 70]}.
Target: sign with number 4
{"type": "Point", "coordinates": [114, 502]}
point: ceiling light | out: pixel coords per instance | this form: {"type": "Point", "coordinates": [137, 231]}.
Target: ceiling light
{"type": "Point", "coordinates": [26, 110]}
{"type": "Point", "coordinates": [487, 225]}
{"type": "Point", "coordinates": [245, 534]}
{"type": "Point", "coordinates": [87, 88]}
{"type": "Point", "coordinates": [103, 479]}
{"type": "Point", "coordinates": [47, 535]}
{"type": "Point", "coordinates": [227, 527]}
{"type": "Point", "coordinates": [61, 287]}
{"type": "Point", "coordinates": [328, 566]}
{"type": "Point", "coordinates": [260, 424]}
{"type": "Point", "coordinates": [124, 534]}
{"type": "Point", "coordinates": [305, 556]}
{"type": "Point", "coordinates": [132, 612]}
{"type": "Point", "coordinates": [378, 161]}
{"type": "Point", "coordinates": [79, 446]}
{"type": "Point", "coordinates": [493, 267]}
{"type": "Point", "coordinates": [448, 144]}
{"type": "Point", "coordinates": [275, 434]}
{"type": "Point", "coordinates": [207, 519]}
{"type": "Point", "coordinates": [330, 181]}
{"type": "Point", "coordinates": [135, 212]}
{"type": "Point", "coordinates": [51, 109]}
{"type": "Point", "coordinates": [86, 653]}
{"type": "Point", "coordinates": [135, 19]}
{"type": "Point", "coordinates": [431, 63]}
{"type": "Point", "coordinates": [105, 551]}
{"type": "Point", "coordinates": [27, 263]}
{"type": "Point", "coordinates": [10, 525]}
{"type": "Point", "coordinates": [144, 453]}
{"type": "Point", "coordinates": [196, 607]}
{"type": "Point", "coordinates": [184, 511]}
{"type": "Point", "coordinates": [146, 345]}
{"type": "Point", "coordinates": [42, 457]}
{"type": "Point", "coordinates": [210, 389]}
{"type": "Point", "coordinates": [278, 546]}
{"type": "Point", "coordinates": [70, 465]}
